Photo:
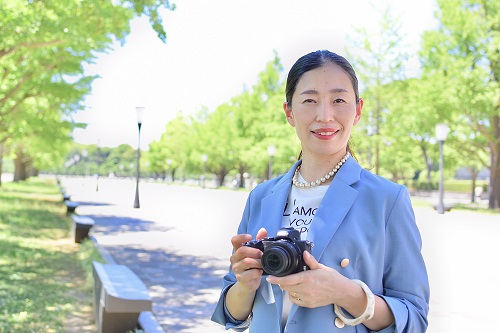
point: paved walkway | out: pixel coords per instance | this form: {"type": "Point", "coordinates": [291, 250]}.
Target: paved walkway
{"type": "Point", "coordinates": [178, 243]}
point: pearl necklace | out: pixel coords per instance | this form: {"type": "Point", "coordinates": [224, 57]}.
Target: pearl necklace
{"type": "Point", "coordinates": [295, 179]}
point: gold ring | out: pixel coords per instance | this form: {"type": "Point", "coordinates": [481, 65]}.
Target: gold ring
{"type": "Point", "coordinates": [294, 295]}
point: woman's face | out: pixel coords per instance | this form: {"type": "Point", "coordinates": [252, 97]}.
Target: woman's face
{"type": "Point", "coordinates": [324, 111]}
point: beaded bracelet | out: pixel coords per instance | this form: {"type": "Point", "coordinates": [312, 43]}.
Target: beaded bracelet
{"type": "Point", "coordinates": [369, 311]}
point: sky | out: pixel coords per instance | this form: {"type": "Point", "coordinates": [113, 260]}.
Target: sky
{"type": "Point", "coordinates": [214, 50]}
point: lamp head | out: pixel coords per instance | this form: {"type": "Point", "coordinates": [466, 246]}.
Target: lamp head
{"type": "Point", "coordinates": [140, 114]}
{"type": "Point", "coordinates": [271, 150]}
{"type": "Point", "coordinates": [442, 131]}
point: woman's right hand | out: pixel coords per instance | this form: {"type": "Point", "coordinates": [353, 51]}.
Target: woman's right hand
{"type": "Point", "coordinates": [246, 261]}
{"type": "Point", "coordinates": [247, 267]}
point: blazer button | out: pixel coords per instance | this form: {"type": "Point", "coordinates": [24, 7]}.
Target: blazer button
{"type": "Point", "coordinates": [344, 263]}
{"type": "Point", "coordinates": [339, 323]}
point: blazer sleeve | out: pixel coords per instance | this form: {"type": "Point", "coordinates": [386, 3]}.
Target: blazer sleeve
{"type": "Point", "coordinates": [406, 285]}
{"type": "Point", "coordinates": [220, 314]}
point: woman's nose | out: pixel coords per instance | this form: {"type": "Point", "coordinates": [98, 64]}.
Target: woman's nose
{"type": "Point", "coordinates": [325, 112]}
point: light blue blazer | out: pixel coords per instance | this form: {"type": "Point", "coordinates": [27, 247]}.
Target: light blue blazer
{"type": "Point", "coordinates": [364, 218]}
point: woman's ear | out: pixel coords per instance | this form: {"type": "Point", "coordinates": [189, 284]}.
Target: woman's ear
{"type": "Point", "coordinates": [359, 106]}
{"type": "Point", "coordinates": [288, 114]}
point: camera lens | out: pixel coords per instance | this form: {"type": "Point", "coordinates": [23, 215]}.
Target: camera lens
{"type": "Point", "coordinates": [281, 258]}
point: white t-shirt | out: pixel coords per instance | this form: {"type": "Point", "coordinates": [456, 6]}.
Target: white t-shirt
{"type": "Point", "coordinates": [301, 207]}
{"type": "Point", "coordinates": [299, 213]}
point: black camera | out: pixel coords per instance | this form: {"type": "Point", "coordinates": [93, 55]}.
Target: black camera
{"type": "Point", "coordinates": [283, 254]}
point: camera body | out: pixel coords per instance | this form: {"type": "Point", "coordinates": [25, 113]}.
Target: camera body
{"type": "Point", "coordinates": [283, 254]}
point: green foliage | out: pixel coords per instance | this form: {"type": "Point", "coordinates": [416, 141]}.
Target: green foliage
{"type": "Point", "coordinates": [379, 60]}
{"type": "Point", "coordinates": [462, 58]}
{"type": "Point", "coordinates": [235, 136]}
{"type": "Point", "coordinates": [43, 47]}
{"type": "Point", "coordinates": [464, 186]}
{"type": "Point", "coordinates": [35, 266]}
{"type": "Point", "coordinates": [86, 255]}
{"type": "Point", "coordinates": [452, 185]}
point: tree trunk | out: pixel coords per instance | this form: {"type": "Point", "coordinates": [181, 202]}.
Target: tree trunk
{"type": "Point", "coordinates": [1, 163]}
{"type": "Point", "coordinates": [473, 173]}
{"type": "Point", "coordinates": [494, 186]}
{"type": "Point", "coordinates": [242, 179]}
{"type": "Point", "coordinates": [428, 163]}
{"type": "Point", "coordinates": [22, 165]}
{"type": "Point", "coordinates": [20, 168]}
{"type": "Point", "coordinates": [221, 176]}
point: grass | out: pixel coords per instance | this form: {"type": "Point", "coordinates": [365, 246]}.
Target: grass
{"type": "Point", "coordinates": [40, 265]}
{"type": "Point", "coordinates": [472, 206]}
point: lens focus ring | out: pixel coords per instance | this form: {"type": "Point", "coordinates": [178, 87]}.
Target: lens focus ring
{"type": "Point", "coordinates": [281, 258]}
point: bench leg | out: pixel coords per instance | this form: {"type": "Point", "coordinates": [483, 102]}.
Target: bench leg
{"type": "Point", "coordinates": [81, 232]}
{"type": "Point", "coordinates": [117, 322]}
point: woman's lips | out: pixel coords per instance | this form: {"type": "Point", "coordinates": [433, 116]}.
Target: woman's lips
{"type": "Point", "coordinates": [324, 134]}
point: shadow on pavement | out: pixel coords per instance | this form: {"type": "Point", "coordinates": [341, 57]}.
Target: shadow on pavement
{"type": "Point", "coordinates": [184, 288]}
{"type": "Point", "coordinates": [91, 203]}
{"type": "Point", "coordinates": [112, 225]}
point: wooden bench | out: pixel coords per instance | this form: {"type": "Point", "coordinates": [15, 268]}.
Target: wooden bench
{"type": "Point", "coordinates": [149, 324]}
{"type": "Point", "coordinates": [119, 298]}
{"type": "Point", "coordinates": [81, 227]}
{"type": "Point", "coordinates": [66, 196]}
{"type": "Point", "coordinates": [70, 206]}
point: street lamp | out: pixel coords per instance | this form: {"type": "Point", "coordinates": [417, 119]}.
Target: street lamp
{"type": "Point", "coordinates": [271, 150]}
{"type": "Point", "coordinates": [204, 159]}
{"type": "Point", "coordinates": [140, 114]}
{"type": "Point", "coordinates": [441, 134]}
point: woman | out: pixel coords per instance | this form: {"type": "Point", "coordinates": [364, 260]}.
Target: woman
{"type": "Point", "coordinates": [366, 272]}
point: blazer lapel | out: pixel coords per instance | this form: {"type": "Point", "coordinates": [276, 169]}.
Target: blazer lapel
{"type": "Point", "coordinates": [337, 202]}
{"type": "Point", "coordinates": [274, 204]}
{"type": "Point", "coordinates": [272, 210]}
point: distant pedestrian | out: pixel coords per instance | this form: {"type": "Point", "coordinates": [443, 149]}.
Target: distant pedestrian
{"type": "Point", "coordinates": [365, 269]}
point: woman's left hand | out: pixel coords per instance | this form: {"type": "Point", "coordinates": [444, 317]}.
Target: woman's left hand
{"type": "Point", "coordinates": [319, 286]}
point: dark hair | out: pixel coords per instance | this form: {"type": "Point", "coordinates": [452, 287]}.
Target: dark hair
{"type": "Point", "coordinates": [312, 61]}
{"type": "Point", "coordinates": [315, 60]}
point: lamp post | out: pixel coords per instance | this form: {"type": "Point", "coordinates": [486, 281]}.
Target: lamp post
{"type": "Point", "coordinates": [441, 134]}
{"type": "Point", "coordinates": [140, 114]}
{"type": "Point", "coordinates": [271, 150]}
{"type": "Point", "coordinates": [85, 153]}
{"type": "Point", "coordinates": [204, 158]}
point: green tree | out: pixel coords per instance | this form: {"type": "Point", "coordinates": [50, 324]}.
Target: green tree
{"type": "Point", "coordinates": [260, 122]}
{"type": "Point", "coordinates": [171, 151]}
{"type": "Point", "coordinates": [119, 160]}
{"type": "Point", "coordinates": [216, 137]}
{"type": "Point", "coordinates": [236, 135]}
{"type": "Point", "coordinates": [379, 60]}
{"type": "Point", "coordinates": [42, 49]}
{"type": "Point", "coordinates": [463, 58]}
